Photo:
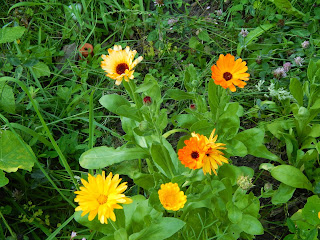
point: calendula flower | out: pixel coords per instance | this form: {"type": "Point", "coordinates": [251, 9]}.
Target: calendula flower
{"type": "Point", "coordinates": [171, 197]}
{"type": "Point", "coordinates": [228, 73]}
{"type": "Point", "coordinates": [192, 154]}
{"type": "Point", "coordinates": [213, 156]}
{"type": "Point", "coordinates": [100, 195]}
{"type": "Point", "coordinates": [319, 215]}
{"type": "Point", "coordinates": [119, 63]}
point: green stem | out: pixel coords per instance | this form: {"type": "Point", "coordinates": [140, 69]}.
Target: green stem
{"type": "Point", "coordinates": [7, 225]}
{"type": "Point", "coordinates": [172, 131]}
{"type": "Point", "coordinates": [61, 227]}
{"type": "Point", "coordinates": [91, 125]}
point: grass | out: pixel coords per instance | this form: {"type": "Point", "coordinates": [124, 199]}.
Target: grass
{"type": "Point", "coordinates": [58, 112]}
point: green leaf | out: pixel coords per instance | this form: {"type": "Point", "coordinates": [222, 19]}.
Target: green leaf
{"type": "Point", "coordinates": [3, 180]}
{"type": "Point", "coordinates": [113, 101]}
{"type": "Point", "coordinates": [190, 75]}
{"type": "Point", "coordinates": [184, 120]}
{"type": "Point", "coordinates": [193, 42]}
{"type": "Point", "coordinates": [283, 194]}
{"type": "Point", "coordinates": [162, 159]}
{"type": "Point", "coordinates": [7, 101]}
{"type": "Point", "coordinates": [296, 90]}
{"type": "Point", "coordinates": [162, 229]}
{"type": "Point", "coordinates": [285, 5]}
{"type": "Point", "coordinates": [9, 34]}
{"type": "Point", "coordinates": [95, 224]}
{"type": "Point", "coordinates": [41, 69]}
{"type": "Point", "coordinates": [253, 140]}
{"type": "Point", "coordinates": [234, 213]}
{"type": "Point", "coordinates": [100, 157]}
{"type": "Point", "coordinates": [204, 36]}
{"type": "Point", "coordinates": [291, 176]}
{"type": "Point", "coordinates": [251, 225]}
{"type": "Point", "coordinates": [179, 95]}
{"type": "Point", "coordinates": [120, 234]}
{"type": "Point", "coordinates": [13, 154]}
{"type": "Point", "coordinates": [311, 209]}
{"type": "Point", "coordinates": [252, 36]}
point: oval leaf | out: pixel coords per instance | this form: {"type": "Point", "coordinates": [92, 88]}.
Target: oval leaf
{"type": "Point", "coordinates": [291, 176]}
{"type": "Point", "coordinates": [13, 154]}
{"type": "Point", "coordinates": [101, 157]}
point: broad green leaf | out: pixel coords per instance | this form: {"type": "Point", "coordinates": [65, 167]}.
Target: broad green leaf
{"type": "Point", "coordinates": [229, 122]}
{"type": "Point", "coordinates": [120, 234]}
{"type": "Point", "coordinates": [204, 36]}
{"type": "Point", "coordinates": [218, 98]}
{"type": "Point", "coordinates": [184, 120]}
{"type": "Point", "coordinates": [291, 176]}
{"type": "Point", "coordinates": [253, 35]}
{"type": "Point", "coordinates": [236, 148]}
{"type": "Point", "coordinates": [95, 224]}
{"type": "Point", "coordinates": [251, 225]}
{"type": "Point", "coordinates": [130, 209]}
{"type": "Point", "coordinates": [234, 213]}
{"type": "Point", "coordinates": [283, 194]}
{"type": "Point", "coordinates": [311, 209]}
{"type": "Point", "coordinates": [253, 140]}
{"type": "Point", "coordinates": [129, 112]}
{"type": "Point", "coordinates": [3, 180]}
{"type": "Point", "coordinates": [113, 101]}
{"type": "Point", "coordinates": [7, 101]}
{"type": "Point", "coordinates": [179, 95]}
{"type": "Point", "coordinates": [190, 74]}
{"type": "Point", "coordinates": [41, 69]}
{"type": "Point", "coordinates": [13, 154]}
{"type": "Point", "coordinates": [296, 90]}
{"type": "Point", "coordinates": [162, 159]}
{"type": "Point", "coordinates": [9, 34]}
{"type": "Point", "coordinates": [285, 5]}
{"type": "Point", "coordinates": [100, 157]}
{"type": "Point", "coordinates": [162, 229]}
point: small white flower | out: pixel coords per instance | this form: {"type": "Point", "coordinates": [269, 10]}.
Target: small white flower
{"type": "Point", "coordinates": [299, 61]}
{"type": "Point", "coordinates": [279, 73]}
{"type": "Point", "coordinates": [244, 32]}
{"type": "Point", "coordinates": [219, 12]}
{"type": "Point", "coordinates": [73, 235]}
{"type": "Point", "coordinates": [259, 85]}
{"type": "Point", "coordinates": [208, 8]}
{"type": "Point", "coordinates": [287, 66]}
{"type": "Point", "coordinates": [305, 44]}
{"type": "Point", "coordinates": [159, 3]}
{"type": "Point", "coordinates": [172, 21]}
{"type": "Point", "coordinates": [280, 93]}
{"type": "Point", "coordinates": [75, 8]}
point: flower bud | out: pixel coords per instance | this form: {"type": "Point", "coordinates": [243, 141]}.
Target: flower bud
{"type": "Point", "coordinates": [147, 100]}
{"type": "Point", "coordinates": [192, 107]}
{"type": "Point", "coordinates": [244, 182]}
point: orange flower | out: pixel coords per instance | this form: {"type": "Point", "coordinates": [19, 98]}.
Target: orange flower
{"type": "Point", "coordinates": [192, 154]}
{"type": "Point", "coordinates": [228, 73]}
{"type": "Point", "coordinates": [201, 152]}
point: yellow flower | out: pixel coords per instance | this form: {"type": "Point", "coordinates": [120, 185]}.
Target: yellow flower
{"type": "Point", "coordinates": [213, 157]}
{"type": "Point", "coordinates": [101, 195]}
{"type": "Point", "coordinates": [319, 215]}
{"type": "Point", "coordinates": [229, 72]}
{"type": "Point", "coordinates": [171, 197]}
{"type": "Point", "coordinates": [119, 63]}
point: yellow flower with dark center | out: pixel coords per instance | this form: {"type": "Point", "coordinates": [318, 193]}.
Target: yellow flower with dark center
{"type": "Point", "coordinates": [119, 63]}
{"type": "Point", "coordinates": [100, 195]}
{"type": "Point", "coordinates": [171, 197]}
{"type": "Point", "coordinates": [228, 73]}
{"type": "Point", "coordinates": [192, 154]}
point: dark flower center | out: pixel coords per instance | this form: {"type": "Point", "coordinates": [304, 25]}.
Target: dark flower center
{"type": "Point", "coordinates": [194, 155]}
{"type": "Point", "coordinates": [227, 76]}
{"type": "Point", "coordinates": [121, 68]}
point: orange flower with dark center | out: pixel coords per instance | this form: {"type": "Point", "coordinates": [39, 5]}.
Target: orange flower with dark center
{"type": "Point", "coordinates": [192, 154]}
{"type": "Point", "coordinates": [229, 73]}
